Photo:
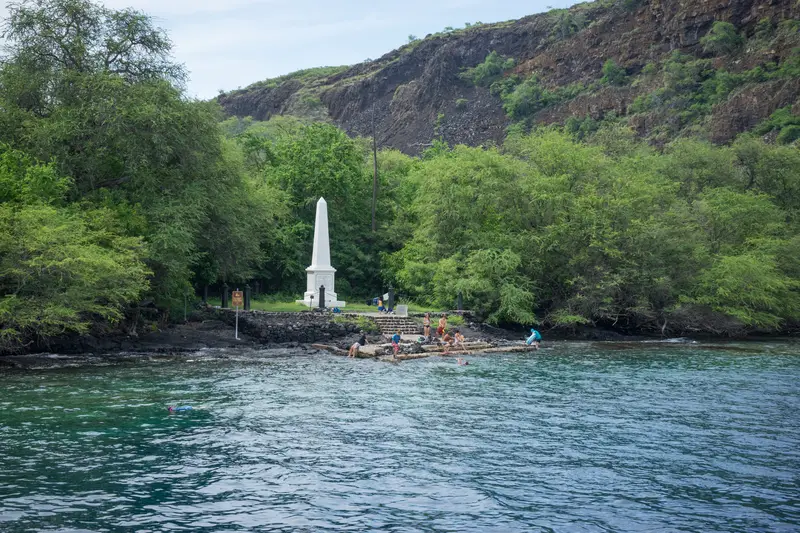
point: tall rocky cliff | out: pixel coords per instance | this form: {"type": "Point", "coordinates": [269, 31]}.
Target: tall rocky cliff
{"type": "Point", "coordinates": [418, 91]}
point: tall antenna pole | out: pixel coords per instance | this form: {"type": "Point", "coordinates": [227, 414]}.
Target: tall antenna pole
{"type": "Point", "coordinates": [374, 167]}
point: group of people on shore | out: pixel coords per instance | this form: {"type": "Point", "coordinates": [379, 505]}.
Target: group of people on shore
{"type": "Point", "coordinates": [456, 340]}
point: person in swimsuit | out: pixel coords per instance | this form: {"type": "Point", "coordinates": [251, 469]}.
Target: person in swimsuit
{"type": "Point", "coordinates": [459, 338]}
{"type": "Point", "coordinates": [448, 342]}
{"type": "Point", "coordinates": [426, 325]}
{"type": "Point", "coordinates": [442, 325]}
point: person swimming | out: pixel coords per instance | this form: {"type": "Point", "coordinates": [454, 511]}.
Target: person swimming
{"type": "Point", "coordinates": [173, 409]}
{"type": "Point", "coordinates": [462, 362]}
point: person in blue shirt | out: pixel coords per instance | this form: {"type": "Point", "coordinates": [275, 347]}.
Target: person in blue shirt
{"type": "Point", "coordinates": [396, 342]}
{"type": "Point", "coordinates": [534, 339]}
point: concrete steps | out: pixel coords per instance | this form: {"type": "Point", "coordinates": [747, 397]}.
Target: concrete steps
{"type": "Point", "coordinates": [390, 324]}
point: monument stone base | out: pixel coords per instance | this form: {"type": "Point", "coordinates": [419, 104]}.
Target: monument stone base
{"type": "Point", "coordinates": [320, 277]}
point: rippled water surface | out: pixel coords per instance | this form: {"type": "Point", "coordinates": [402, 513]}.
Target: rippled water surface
{"type": "Point", "coordinates": [579, 437]}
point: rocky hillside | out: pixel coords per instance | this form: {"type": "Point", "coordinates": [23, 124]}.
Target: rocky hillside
{"type": "Point", "coordinates": [713, 68]}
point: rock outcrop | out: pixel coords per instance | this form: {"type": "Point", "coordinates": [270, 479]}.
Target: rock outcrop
{"type": "Point", "coordinates": [409, 93]}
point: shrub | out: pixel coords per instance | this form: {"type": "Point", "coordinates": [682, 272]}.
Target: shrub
{"type": "Point", "coordinates": [461, 103]}
{"type": "Point", "coordinates": [650, 69]}
{"type": "Point", "coordinates": [568, 24]}
{"type": "Point", "coordinates": [526, 99]}
{"type": "Point", "coordinates": [722, 39]}
{"type": "Point", "coordinates": [788, 135]}
{"type": "Point", "coordinates": [613, 74]}
{"type": "Point", "coordinates": [492, 68]}
{"type": "Point", "coordinates": [781, 119]}
{"type": "Point", "coordinates": [764, 30]}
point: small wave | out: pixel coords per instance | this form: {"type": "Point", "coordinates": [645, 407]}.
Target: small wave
{"type": "Point", "coordinates": [676, 340]}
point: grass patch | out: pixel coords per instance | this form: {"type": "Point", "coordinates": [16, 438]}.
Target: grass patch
{"type": "Point", "coordinates": [363, 323]}
{"type": "Point", "coordinates": [292, 307]}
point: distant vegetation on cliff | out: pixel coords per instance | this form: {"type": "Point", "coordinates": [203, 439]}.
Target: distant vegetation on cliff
{"type": "Point", "coordinates": [121, 198]}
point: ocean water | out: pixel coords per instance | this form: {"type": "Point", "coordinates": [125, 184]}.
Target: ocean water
{"type": "Point", "coordinates": [577, 437]}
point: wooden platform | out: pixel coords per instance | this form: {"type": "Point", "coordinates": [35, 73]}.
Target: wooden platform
{"type": "Point", "coordinates": [370, 351]}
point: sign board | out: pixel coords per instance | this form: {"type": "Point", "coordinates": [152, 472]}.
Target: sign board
{"type": "Point", "coordinates": [237, 299]}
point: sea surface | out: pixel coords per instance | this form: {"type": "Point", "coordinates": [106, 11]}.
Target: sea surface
{"type": "Point", "coordinates": [578, 437]}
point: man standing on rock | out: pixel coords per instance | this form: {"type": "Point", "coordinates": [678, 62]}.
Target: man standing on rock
{"type": "Point", "coordinates": [442, 325]}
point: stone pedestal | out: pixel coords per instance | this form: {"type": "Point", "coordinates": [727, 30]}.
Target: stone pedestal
{"type": "Point", "coordinates": [321, 273]}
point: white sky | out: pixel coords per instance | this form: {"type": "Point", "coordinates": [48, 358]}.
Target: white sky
{"type": "Point", "coordinates": [227, 44]}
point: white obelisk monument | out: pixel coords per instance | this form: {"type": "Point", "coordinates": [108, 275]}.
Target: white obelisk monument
{"type": "Point", "coordinates": [321, 273]}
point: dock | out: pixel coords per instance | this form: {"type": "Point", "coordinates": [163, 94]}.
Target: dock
{"type": "Point", "coordinates": [384, 351]}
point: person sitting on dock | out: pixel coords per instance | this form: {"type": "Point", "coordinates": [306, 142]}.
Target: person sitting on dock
{"type": "Point", "coordinates": [362, 341]}
{"type": "Point", "coordinates": [459, 338]}
{"type": "Point", "coordinates": [534, 339]}
{"type": "Point", "coordinates": [396, 343]}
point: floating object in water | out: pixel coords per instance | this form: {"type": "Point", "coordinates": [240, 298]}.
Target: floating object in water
{"type": "Point", "coordinates": [172, 409]}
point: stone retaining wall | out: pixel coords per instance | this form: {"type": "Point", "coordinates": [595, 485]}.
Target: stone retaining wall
{"type": "Point", "coordinates": [308, 327]}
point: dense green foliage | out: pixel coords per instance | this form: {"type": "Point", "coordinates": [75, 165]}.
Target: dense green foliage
{"type": "Point", "coordinates": [59, 263]}
{"type": "Point", "coordinates": [610, 233]}
{"type": "Point", "coordinates": [142, 195]}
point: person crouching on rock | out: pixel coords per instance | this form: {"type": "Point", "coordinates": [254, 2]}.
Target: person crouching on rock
{"type": "Point", "coordinates": [396, 343]}
{"type": "Point", "coordinates": [448, 342]}
{"type": "Point", "coordinates": [362, 341]}
{"type": "Point", "coordinates": [458, 339]}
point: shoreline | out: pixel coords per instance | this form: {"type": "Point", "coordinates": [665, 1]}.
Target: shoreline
{"type": "Point", "coordinates": [224, 350]}
{"type": "Point", "coordinates": [211, 329]}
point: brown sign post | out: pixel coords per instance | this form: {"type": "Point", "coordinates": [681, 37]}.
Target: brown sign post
{"type": "Point", "coordinates": [237, 300]}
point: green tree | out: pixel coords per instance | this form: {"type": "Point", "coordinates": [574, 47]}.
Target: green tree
{"type": "Point", "coordinates": [749, 287]}
{"type": "Point", "coordinates": [95, 90]}
{"type": "Point", "coordinates": [321, 161]}
{"type": "Point", "coordinates": [61, 267]}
